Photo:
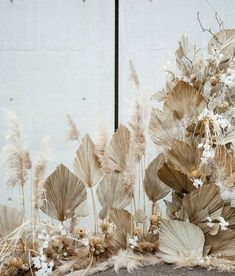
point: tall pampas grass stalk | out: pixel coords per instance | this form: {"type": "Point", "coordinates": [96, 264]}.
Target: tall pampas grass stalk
{"type": "Point", "coordinates": [15, 156]}
{"type": "Point", "coordinates": [38, 178]}
{"type": "Point", "coordinates": [73, 133]}
{"type": "Point", "coordinates": [138, 126]}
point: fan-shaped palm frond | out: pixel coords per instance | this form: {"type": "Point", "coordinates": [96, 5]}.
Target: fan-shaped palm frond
{"type": "Point", "coordinates": [10, 219]}
{"type": "Point", "coordinates": [86, 164]}
{"type": "Point", "coordinates": [180, 240]}
{"type": "Point", "coordinates": [175, 179]}
{"type": "Point", "coordinates": [123, 221]}
{"type": "Point", "coordinates": [154, 187]}
{"type": "Point", "coordinates": [201, 203]}
{"type": "Point", "coordinates": [119, 147]}
{"type": "Point", "coordinates": [184, 157]}
{"type": "Point", "coordinates": [64, 192]}
{"type": "Point", "coordinates": [185, 101]}
{"type": "Point", "coordinates": [222, 244]}
{"type": "Point", "coordinates": [112, 193]}
{"type": "Point", "coordinates": [163, 128]}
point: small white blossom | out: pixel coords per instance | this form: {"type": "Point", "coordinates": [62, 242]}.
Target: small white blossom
{"type": "Point", "coordinates": [197, 182]}
{"type": "Point", "coordinates": [85, 241]}
{"type": "Point", "coordinates": [228, 78]}
{"type": "Point", "coordinates": [223, 224]}
{"type": "Point", "coordinates": [209, 222]}
{"type": "Point", "coordinates": [208, 152]}
{"type": "Point", "coordinates": [133, 242]}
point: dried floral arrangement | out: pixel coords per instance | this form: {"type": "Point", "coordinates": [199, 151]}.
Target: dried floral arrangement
{"type": "Point", "coordinates": [196, 169]}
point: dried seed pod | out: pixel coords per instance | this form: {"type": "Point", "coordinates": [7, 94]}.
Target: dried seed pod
{"type": "Point", "coordinates": [213, 81]}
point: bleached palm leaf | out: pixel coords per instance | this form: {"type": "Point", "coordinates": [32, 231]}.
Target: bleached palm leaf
{"type": "Point", "coordinates": [82, 210]}
{"type": "Point", "coordinates": [154, 187]}
{"type": "Point", "coordinates": [64, 192]}
{"type": "Point", "coordinates": [140, 216]}
{"type": "Point", "coordinates": [224, 42]}
{"type": "Point", "coordinates": [123, 222]}
{"type": "Point", "coordinates": [175, 179]}
{"type": "Point", "coordinates": [86, 164]}
{"type": "Point", "coordinates": [185, 100]}
{"type": "Point", "coordinates": [112, 193]}
{"type": "Point", "coordinates": [119, 147]}
{"type": "Point", "coordinates": [228, 214]}
{"type": "Point", "coordinates": [201, 203]}
{"type": "Point", "coordinates": [10, 219]}
{"type": "Point", "coordinates": [163, 128]}
{"type": "Point", "coordinates": [222, 244]}
{"type": "Point", "coordinates": [184, 157]}
{"type": "Point", "coordinates": [179, 240]}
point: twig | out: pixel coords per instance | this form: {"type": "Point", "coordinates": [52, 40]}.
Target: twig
{"type": "Point", "coordinates": [207, 30]}
{"type": "Point", "coordinates": [219, 21]}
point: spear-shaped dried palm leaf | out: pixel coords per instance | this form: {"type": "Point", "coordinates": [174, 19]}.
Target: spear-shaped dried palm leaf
{"type": "Point", "coordinates": [184, 157]}
{"type": "Point", "coordinates": [64, 192]}
{"type": "Point", "coordinates": [163, 128]}
{"type": "Point", "coordinates": [185, 101]}
{"type": "Point", "coordinates": [86, 164]}
{"type": "Point", "coordinates": [112, 193]}
{"type": "Point", "coordinates": [10, 219]}
{"type": "Point", "coordinates": [201, 203]}
{"type": "Point", "coordinates": [119, 147]}
{"type": "Point", "coordinates": [222, 244]}
{"type": "Point", "coordinates": [180, 240]}
{"type": "Point", "coordinates": [175, 179]}
{"type": "Point", "coordinates": [123, 222]}
{"type": "Point", "coordinates": [154, 187]}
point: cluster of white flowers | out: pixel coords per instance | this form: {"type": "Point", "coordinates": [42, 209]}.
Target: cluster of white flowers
{"type": "Point", "coordinates": [208, 152]}
{"type": "Point", "coordinates": [40, 262]}
{"type": "Point", "coordinates": [133, 242]}
{"type": "Point", "coordinates": [217, 119]}
{"type": "Point", "coordinates": [228, 78]}
{"type": "Point", "coordinates": [223, 224]}
{"type": "Point", "coordinates": [197, 183]}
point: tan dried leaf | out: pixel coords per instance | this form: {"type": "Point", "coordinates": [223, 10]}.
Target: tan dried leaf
{"type": "Point", "coordinates": [10, 219]}
{"type": "Point", "coordinates": [63, 193]}
{"type": "Point", "coordinates": [86, 164]}
{"type": "Point", "coordinates": [154, 187]}
{"type": "Point", "coordinates": [112, 193]}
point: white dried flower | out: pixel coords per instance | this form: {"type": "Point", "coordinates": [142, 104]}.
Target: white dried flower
{"type": "Point", "coordinates": [197, 182]}
{"type": "Point", "coordinates": [209, 222]}
{"type": "Point", "coordinates": [223, 224]}
{"type": "Point", "coordinates": [133, 242]}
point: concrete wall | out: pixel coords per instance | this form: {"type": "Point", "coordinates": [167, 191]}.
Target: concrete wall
{"type": "Point", "coordinates": [56, 57]}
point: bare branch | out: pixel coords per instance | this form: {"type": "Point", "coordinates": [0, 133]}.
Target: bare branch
{"type": "Point", "coordinates": [207, 30]}
{"type": "Point", "coordinates": [219, 21]}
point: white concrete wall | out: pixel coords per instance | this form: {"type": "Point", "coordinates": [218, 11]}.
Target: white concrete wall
{"type": "Point", "coordinates": [56, 57]}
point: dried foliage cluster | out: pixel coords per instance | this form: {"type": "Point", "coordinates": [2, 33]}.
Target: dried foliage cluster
{"type": "Point", "coordinates": [196, 169]}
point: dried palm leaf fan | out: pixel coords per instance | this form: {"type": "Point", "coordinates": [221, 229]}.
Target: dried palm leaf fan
{"type": "Point", "coordinates": [228, 214]}
{"type": "Point", "coordinates": [180, 242]}
{"type": "Point", "coordinates": [184, 101]}
{"type": "Point", "coordinates": [225, 164]}
{"type": "Point", "coordinates": [222, 244]}
{"type": "Point", "coordinates": [203, 203]}
{"type": "Point", "coordinates": [175, 179]}
{"type": "Point", "coordinates": [86, 167]}
{"type": "Point", "coordinates": [154, 187]}
{"type": "Point", "coordinates": [112, 193]}
{"type": "Point", "coordinates": [124, 224]}
{"type": "Point", "coordinates": [163, 128]}
{"type": "Point", "coordinates": [10, 219]}
{"type": "Point", "coordinates": [119, 147]}
{"type": "Point", "coordinates": [64, 192]}
{"type": "Point", "coordinates": [185, 158]}
{"type": "Point", "coordinates": [223, 42]}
